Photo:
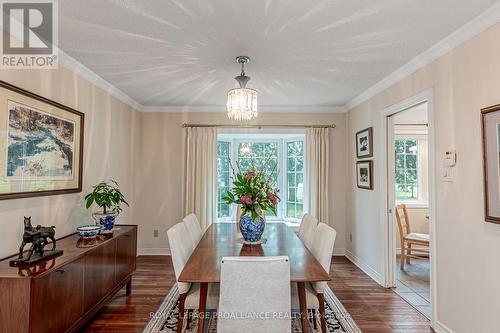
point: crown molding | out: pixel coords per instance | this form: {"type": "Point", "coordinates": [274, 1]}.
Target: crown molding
{"type": "Point", "coordinates": [472, 28]}
{"type": "Point", "coordinates": [81, 70]}
{"type": "Point", "coordinates": [262, 109]}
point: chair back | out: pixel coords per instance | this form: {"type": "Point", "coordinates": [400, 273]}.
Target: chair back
{"type": "Point", "coordinates": [322, 249]}
{"type": "Point", "coordinates": [403, 220]}
{"type": "Point", "coordinates": [302, 225]}
{"type": "Point", "coordinates": [257, 289]}
{"type": "Point", "coordinates": [180, 249]}
{"type": "Point", "coordinates": [194, 229]}
{"type": "Point", "coordinates": [310, 223]}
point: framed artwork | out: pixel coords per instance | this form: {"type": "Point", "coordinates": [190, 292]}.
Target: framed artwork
{"type": "Point", "coordinates": [364, 174]}
{"type": "Point", "coordinates": [364, 143]}
{"type": "Point", "coordinates": [41, 145]}
{"type": "Point", "coordinates": [491, 162]}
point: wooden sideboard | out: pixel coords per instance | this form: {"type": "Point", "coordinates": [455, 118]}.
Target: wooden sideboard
{"type": "Point", "coordinates": [61, 294]}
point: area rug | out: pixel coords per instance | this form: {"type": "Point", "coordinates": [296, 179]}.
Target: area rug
{"type": "Point", "coordinates": [164, 320]}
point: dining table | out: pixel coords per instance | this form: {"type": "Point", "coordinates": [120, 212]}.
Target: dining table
{"type": "Point", "coordinates": [223, 239]}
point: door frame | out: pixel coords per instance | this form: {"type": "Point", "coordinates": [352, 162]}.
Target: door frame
{"type": "Point", "coordinates": [388, 194]}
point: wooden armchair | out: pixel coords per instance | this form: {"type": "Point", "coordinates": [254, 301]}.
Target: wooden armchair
{"type": "Point", "coordinates": [409, 238]}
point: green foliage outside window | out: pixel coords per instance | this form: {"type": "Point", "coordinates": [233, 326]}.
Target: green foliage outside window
{"type": "Point", "coordinates": [295, 179]}
{"type": "Point", "coordinates": [406, 169]}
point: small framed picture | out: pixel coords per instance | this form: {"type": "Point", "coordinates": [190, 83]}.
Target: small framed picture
{"type": "Point", "coordinates": [364, 172]}
{"type": "Point", "coordinates": [491, 162]}
{"type": "Point", "coordinates": [364, 143]}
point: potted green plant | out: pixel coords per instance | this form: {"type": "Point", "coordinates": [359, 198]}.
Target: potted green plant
{"type": "Point", "coordinates": [109, 198]}
{"type": "Point", "coordinates": [255, 193]}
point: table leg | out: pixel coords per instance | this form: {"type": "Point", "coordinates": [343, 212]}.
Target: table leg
{"type": "Point", "coordinates": [129, 287]}
{"type": "Point", "coordinates": [301, 287]}
{"type": "Point", "coordinates": [202, 306]}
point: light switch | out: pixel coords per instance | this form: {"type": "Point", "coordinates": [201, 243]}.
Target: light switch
{"type": "Point", "coordinates": [447, 175]}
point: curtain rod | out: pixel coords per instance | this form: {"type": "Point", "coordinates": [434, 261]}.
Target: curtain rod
{"type": "Point", "coordinates": [410, 124]}
{"type": "Point", "coordinates": [259, 126]}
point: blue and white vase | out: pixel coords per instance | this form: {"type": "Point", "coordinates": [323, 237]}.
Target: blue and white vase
{"type": "Point", "coordinates": [252, 230]}
{"type": "Point", "coordinates": [106, 221]}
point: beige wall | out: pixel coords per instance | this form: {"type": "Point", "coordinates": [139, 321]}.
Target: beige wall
{"type": "Point", "coordinates": [468, 274]}
{"type": "Point", "coordinates": [159, 176]}
{"type": "Point", "coordinates": [110, 140]}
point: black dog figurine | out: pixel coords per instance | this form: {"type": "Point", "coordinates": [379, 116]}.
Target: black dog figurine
{"type": "Point", "coordinates": [38, 238]}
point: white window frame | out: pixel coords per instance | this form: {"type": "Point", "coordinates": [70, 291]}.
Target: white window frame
{"type": "Point", "coordinates": [282, 174]}
{"type": "Point", "coordinates": [423, 196]}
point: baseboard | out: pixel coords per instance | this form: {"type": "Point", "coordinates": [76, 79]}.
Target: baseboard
{"type": "Point", "coordinates": [361, 264]}
{"type": "Point", "coordinates": [164, 251]}
{"type": "Point", "coordinates": [439, 327]}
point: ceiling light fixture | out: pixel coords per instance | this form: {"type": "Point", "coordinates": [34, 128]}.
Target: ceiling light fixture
{"type": "Point", "coordinates": [242, 101]}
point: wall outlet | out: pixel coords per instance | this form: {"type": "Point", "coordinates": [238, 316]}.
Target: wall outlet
{"type": "Point", "coordinates": [350, 237]}
{"type": "Point", "coordinates": [155, 233]}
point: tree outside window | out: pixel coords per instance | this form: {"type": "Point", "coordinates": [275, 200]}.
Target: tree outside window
{"type": "Point", "coordinates": [406, 169]}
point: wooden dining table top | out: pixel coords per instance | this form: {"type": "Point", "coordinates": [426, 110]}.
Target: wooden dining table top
{"type": "Point", "coordinates": [222, 239]}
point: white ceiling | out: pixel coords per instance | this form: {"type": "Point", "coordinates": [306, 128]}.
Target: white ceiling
{"type": "Point", "coordinates": [304, 53]}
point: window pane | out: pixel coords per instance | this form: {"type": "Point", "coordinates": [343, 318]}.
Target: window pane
{"type": "Point", "coordinates": [400, 147]}
{"type": "Point", "coordinates": [291, 179]}
{"type": "Point", "coordinates": [411, 161]}
{"type": "Point", "coordinates": [299, 165]}
{"type": "Point", "coordinates": [290, 210]}
{"type": "Point", "coordinates": [291, 194]}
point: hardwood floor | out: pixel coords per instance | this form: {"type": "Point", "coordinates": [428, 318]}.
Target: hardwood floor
{"type": "Point", "coordinates": [375, 309]}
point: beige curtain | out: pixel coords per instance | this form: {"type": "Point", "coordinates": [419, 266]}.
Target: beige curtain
{"type": "Point", "coordinates": [201, 174]}
{"type": "Point", "coordinates": [317, 170]}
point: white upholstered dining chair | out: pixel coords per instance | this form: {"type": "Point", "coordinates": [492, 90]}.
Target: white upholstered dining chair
{"type": "Point", "coordinates": [257, 289]}
{"type": "Point", "coordinates": [322, 249]}
{"type": "Point", "coordinates": [307, 228]}
{"type": "Point", "coordinates": [194, 229]}
{"type": "Point", "coordinates": [189, 294]}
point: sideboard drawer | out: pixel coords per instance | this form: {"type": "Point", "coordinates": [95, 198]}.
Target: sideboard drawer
{"type": "Point", "coordinates": [57, 299]}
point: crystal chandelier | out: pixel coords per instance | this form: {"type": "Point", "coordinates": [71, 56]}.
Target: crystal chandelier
{"type": "Point", "coordinates": [242, 101]}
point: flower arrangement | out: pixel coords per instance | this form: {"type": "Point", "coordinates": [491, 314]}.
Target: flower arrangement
{"type": "Point", "coordinates": [254, 191]}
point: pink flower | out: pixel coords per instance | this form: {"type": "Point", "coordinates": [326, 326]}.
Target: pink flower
{"type": "Point", "coordinates": [250, 174]}
{"type": "Point", "coordinates": [248, 200]}
{"type": "Point", "coordinates": [242, 200]}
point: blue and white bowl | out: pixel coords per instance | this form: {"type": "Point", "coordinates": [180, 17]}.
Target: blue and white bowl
{"type": "Point", "coordinates": [89, 231]}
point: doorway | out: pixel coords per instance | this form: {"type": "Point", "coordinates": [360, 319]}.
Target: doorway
{"type": "Point", "coordinates": [409, 204]}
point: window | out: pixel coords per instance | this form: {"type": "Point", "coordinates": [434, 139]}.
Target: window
{"type": "Point", "coordinates": [282, 153]}
{"type": "Point", "coordinates": [223, 177]}
{"type": "Point", "coordinates": [411, 174]}
{"type": "Point", "coordinates": [406, 170]}
{"type": "Point", "coordinates": [295, 179]}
